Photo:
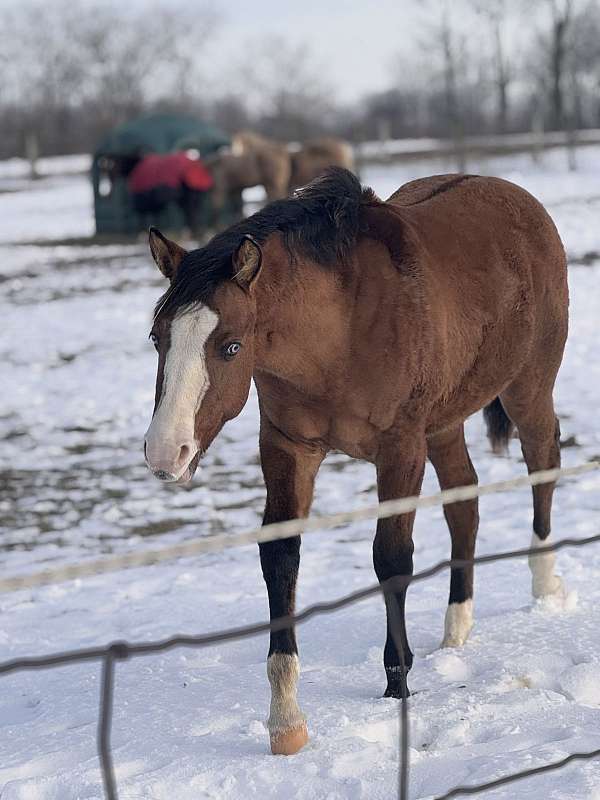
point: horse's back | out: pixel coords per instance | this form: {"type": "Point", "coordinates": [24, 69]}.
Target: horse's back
{"type": "Point", "coordinates": [422, 189]}
{"type": "Point", "coordinates": [471, 222]}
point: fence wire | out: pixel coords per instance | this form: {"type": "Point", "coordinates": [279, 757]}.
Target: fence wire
{"type": "Point", "coordinates": [117, 651]}
{"type": "Point", "coordinates": [282, 530]}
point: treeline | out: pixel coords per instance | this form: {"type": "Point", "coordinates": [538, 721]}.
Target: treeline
{"type": "Point", "coordinates": [71, 71]}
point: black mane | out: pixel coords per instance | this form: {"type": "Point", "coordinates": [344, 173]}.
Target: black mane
{"type": "Point", "coordinates": [320, 222]}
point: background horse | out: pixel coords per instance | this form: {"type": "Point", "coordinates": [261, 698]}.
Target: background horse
{"type": "Point", "coordinates": [315, 156]}
{"type": "Point", "coordinates": [375, 328]}
{"type": "Point", "coordinates": [266, 161]}
{"type": "Point", "coordinates": [252, 161]}
{"type": "Point", "coordinates": [305, 162]}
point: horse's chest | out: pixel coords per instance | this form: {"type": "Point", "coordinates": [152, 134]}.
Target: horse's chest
{"type": "Point", "coordinates": [354, 436]}
{"type": "Point", "coordinates": [329, 424]}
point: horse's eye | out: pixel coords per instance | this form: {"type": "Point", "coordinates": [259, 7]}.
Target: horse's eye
{"type": "Point", "coordinates": [154, 340]}
{"type": "Point", "coordinates": [232, 350]}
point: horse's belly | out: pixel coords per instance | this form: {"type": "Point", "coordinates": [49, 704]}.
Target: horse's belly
{"type": "Point", "coordinates": [486, 380]}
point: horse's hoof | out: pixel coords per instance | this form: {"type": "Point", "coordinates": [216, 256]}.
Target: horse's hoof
{"type": "Point", "coordinates": [549, 586]}
{"type": "Point", "coordinates": [396, 692]}
{"type": "Point", "coordinates": [397, 685]}
{"type": "Point", "coordinates": [453, 641]}
{"type": "Point", "coordinates": [286, 743]}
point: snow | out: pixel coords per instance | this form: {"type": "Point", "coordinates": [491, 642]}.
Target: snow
{"type": "Point", "coordinates": [78, 375]}
{"type": "Point", "coordinates": [54, 165]}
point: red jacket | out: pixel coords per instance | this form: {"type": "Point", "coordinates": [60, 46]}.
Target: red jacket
{"type": "Point", "coordinates": [173, 170]}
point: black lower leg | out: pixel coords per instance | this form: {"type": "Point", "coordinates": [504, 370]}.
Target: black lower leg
{"type": "Point", "coordinates": [391, 564]}
{"type": "Point", "coordinates": [399, 474]}
{"type": "Point", "coordinates": [280, 561]}
{"type": "Point", "coordinates": [463, 521]}
{"type": "Point", "coordinates": [542, 453]}
{"type": "Point", "coordinates": [397, 655]}
{"type": "Point", "coordinates": [448, 454]}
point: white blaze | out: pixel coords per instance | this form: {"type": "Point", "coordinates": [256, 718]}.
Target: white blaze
{"type": "Point", "coordinates": [185, 383]}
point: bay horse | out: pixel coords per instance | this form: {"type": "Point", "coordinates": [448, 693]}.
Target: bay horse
{"type": "Point", "coordinates": [375, 328]}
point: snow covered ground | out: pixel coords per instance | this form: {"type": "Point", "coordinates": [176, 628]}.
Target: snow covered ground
{"type": "Point", "coordinates": [77, 377]}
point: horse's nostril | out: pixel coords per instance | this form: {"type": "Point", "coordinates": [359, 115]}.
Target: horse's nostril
{"type": "Point", "coordinates": [185, 453]}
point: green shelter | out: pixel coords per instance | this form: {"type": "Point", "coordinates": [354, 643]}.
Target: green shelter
{"type": "Point", "coordinates": [118, 153]}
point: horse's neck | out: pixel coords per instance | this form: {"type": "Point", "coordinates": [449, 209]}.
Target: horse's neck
{"type": "Point", "coordinates": [299, 320]}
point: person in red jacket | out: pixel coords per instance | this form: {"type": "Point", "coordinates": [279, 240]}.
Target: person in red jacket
{"type": "Point", "coordinates": [157, 180]}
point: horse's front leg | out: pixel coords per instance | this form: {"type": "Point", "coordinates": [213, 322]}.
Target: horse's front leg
{"type": "Point", "coordinates": [400, 469]}
{"type": "Point", "coordinates": [289, 470]}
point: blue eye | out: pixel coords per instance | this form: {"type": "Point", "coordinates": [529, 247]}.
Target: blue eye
{"type": "Point", "coordinates": [232, 350]}
{"type": "Point", "coordinates": [154, 340]}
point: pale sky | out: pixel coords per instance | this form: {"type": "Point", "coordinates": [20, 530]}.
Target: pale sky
{"type": "Point", "coordinates": [359, 43]}
{"type": "Point", "coordinates": [356, 41]}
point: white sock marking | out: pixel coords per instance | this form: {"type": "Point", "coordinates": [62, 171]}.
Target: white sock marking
{"type": "Point", "coordinates": [543, 580]}
{"type": "Point", "coordinates": [458, 623]}
{"type": "Point", "coordinates": [283, 671]}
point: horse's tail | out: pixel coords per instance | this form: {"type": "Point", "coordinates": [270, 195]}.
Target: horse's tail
{"type": "Point", "coordinates": [499, 426]}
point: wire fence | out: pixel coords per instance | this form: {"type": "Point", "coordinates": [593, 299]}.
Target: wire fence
{"type": "Point", "coordinates": [110, 654]}
{"type": "Point", "coordinates": [282, 530]}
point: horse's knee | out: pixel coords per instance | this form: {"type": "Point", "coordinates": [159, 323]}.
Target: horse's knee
{"type": "Point", "coordinates": [286, 723]}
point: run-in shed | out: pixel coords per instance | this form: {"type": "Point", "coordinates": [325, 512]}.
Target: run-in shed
{"type": "Point", "coordinates": [120, 151]}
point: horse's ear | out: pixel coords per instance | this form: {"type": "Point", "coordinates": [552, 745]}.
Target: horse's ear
{"type": "Point", "coordinates": [167, 254]}
{"type": "Point", "coordinates": [247, 261]}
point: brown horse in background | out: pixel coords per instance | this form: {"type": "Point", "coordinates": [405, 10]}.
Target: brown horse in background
{"type": "Point", "coordinates": [375, 328]}
{"type": "Point", "coordinates": [306, 162]}
{"type": "Point", "coordinates": [315, 156]}
{"type": "Point", "coordinates": [252, 161]}
{"type": "Point", "coordinates": [270, 160]}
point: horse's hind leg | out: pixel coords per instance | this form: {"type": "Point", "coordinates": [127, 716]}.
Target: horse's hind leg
{"type": "Point", "coordinates": [539, 432]}
{"type": "Point", "coordinates": [400, 469]}
{"type": "Point", "coordinates": [448, 454]}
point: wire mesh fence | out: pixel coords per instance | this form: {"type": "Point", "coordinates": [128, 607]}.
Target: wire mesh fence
{"type": "Point", "coordinates": [108, 656]}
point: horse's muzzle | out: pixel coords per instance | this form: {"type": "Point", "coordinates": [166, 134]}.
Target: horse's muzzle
{"type": "Point", "coordinates": [162, 475]}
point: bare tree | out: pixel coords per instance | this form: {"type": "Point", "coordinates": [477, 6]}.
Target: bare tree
{"type": "Point", "coordinates": [562, 12]}
{"type": "Point", "coordinates": [284, 88]}
{"type": "Point", "coordinates": [548, 57]}
{"type": "Point", "coordinates": [75, 70]}
{"type": "Point", "coordinates": [446, 67]}
{"type": "Point", "coordinates": [494, 12]}
{"type": "Point", "coordinates": [583, 65]}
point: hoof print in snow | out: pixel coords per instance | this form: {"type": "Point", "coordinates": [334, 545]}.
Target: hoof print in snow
{"type": "Point", "coordinates": [581, 683]}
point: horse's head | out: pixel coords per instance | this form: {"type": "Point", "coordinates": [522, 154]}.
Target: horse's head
{"type": "Point", "coordinates": [203, 331]}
